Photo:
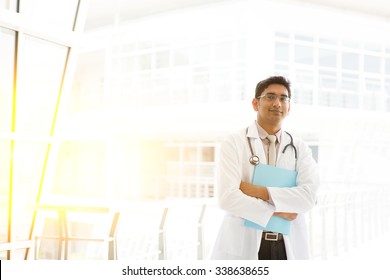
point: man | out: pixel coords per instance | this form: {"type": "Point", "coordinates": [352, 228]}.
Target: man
{"type": "Point", "coordinates": [243, 200]}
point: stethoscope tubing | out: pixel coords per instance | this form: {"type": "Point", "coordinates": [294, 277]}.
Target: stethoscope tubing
{"type": "Point", "coordinates": [254, 159]}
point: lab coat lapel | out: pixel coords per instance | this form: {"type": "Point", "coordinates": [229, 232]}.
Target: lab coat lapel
{"type": "Point", "coordinates": [287, 159]}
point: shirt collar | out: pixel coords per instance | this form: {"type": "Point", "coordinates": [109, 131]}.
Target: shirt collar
{"type": "Point", "coordinates": [263, 134]}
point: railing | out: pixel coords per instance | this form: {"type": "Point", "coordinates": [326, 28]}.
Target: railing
{"type": "Point", "coordinates": [186, 229]}
{"type": "Point", "coordinates": [179, 234]}
{"type": "Point", "coordinates": [64, 236]}
{"type": "Point", "coordinates": [342, 221]}
{"type": "Point", "coordinates": [345, 219]}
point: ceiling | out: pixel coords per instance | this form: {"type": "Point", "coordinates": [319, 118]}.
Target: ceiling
{"type": "Point", "coordinates": [105, 12]}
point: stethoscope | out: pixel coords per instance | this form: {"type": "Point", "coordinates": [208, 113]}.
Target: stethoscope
{"type": "Point", "coordinates": [255, 160]}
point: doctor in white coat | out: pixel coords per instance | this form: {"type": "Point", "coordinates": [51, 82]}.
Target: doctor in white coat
{"type": "Point", "coordinates": [242, 200]}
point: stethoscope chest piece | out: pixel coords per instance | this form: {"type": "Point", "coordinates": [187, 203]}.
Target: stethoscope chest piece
{"type": "Point", "coordinates": [254, 160]}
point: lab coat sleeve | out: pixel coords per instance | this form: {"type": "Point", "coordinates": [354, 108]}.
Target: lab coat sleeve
{"type": "Point", "coordinates": [230, 197]}
{"type": "Point", "coordinates": [301, 198]}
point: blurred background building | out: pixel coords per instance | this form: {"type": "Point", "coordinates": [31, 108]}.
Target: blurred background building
{"type": "Point", "coordinates": [119, 107]}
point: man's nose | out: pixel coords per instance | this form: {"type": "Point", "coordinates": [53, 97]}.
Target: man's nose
{"type": "Point", "coordinates": [276, 102]}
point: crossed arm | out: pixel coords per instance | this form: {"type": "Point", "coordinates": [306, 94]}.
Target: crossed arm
{"type": "Point", "coordinates": [253, 202]}
{"type": "Point", "coordinates": [262, 193]}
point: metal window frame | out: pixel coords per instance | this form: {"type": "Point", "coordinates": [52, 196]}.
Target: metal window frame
{"type": "Point", "coordinates": [23, 26]}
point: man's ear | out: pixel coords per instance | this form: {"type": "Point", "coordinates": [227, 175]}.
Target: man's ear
{"type": "Point", "coordinates": [255, 104]}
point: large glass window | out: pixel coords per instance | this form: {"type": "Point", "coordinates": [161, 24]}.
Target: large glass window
{"type": "Point", "coordinates": [327, 58]}
{"type": "Point", "coordinates": [87, 94]}
{"type": "Point", "coordinates": [201, 54]}
{"type": "Point", "coordinates": [80, 170]}
{"type": "Point", "coordinates": [28, 162]}
{"type": "Point", "coordinates": [304, 54]}
{"type": "Point", "coordinates": [373, 97]}
{"type": "Point", "coordinates": [162, 59]}
{"type": "Point", "coordinates": [144, 62]}
{"type": "Point", "coordinates": [372, 64]}
{"type": "Point", "coordinates": [387, 66]}
{"type": "Point", "coordinates": [338, 73]}
{"type": "Point", "coordinates": [34, 63]}
{"type": "Point", "coordinates": [47, 61]}
{"type": "Point", "coordinates": [191, 170]}
{"type": "Point", "coordinates": [350, 82]}
{"type": "Point", "coordinates": [281, 52]}
{"type": "Point", "coordinates": [60, 14]}
{"type": "Point", "coordinates": [5, 160]}
{"type": "Point", "coordinates": [223, 51]}
{"type": "Point", "coordinates": [7, 58]}
{"type": "Point", "coordinates": [304, 91]}
{"type": "Point", "coordinates": [181, 57]}
{"type": "Point", "coordinates": [387, 94]}
{"type": "Point", "coordinates": [350, 61]}
{"type": "Point", "coordinates": [328, 79]}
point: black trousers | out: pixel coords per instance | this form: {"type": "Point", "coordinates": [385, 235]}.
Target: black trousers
{"type": "Point", "coordinates": [272, 250]}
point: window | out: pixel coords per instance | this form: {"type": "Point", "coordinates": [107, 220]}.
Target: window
{"type": "Point", "coordinates": [281, 52]}
{"type": "Point", "coordinates": [350, 61]}
{"type": "Point", "coordinates": [181, 57]}
{"type": "Point", "coordinates": [328, 79]}
{"type": "Point", "coordinates": [7, 55]}
{"type": "Point", "coordinates": [350, 82]}
{"type": "Point", "coordinates": [223, 51]}
{"type": "Point", "coordinates": [372, 64]}
{"type": "Point", "coordinates": [201, 54]}
{"type": "Point", "coordinates": [304, 54]}
{"type": "Point", "coordinates": [29, 108]}
{"type": "Point", "coordinates": [327, 58]}
{"type": "Point", "coordinates": [387, 66]}
{"type": "Point", "coordinates": [163, 59]}
{"type": "Point", "coordinates": [62, 13]}
{"type": "Point", "coordinates": [144, 62]}
{"type": "Point", "coordinates": [241, 49]}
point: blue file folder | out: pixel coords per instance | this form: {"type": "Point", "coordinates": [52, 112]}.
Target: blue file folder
{"type": "Point", "coordinates": [271, 176]}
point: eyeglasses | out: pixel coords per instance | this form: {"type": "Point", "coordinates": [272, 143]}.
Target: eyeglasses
{"type": "Point", "coordinates": [272, 97]}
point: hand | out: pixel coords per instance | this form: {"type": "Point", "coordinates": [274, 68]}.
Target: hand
{"type": "Point", "coordinates": [287, 216]}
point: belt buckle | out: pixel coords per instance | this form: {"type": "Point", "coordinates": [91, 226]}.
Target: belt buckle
{"type": "Point", "coordinates": [271, 236]}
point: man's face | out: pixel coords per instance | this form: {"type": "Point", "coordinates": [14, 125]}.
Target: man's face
{"type": "Point", "coordinates": [270, 106]}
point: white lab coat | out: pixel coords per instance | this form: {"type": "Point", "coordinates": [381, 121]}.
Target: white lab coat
{"type": "Point", "coordinates": [234, 240]}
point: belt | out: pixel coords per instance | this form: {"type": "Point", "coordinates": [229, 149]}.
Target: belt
{"type": "Point", "coordinates": [272, 236]}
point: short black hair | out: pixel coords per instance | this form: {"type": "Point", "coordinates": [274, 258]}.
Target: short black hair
{"type": "Point", "coordinates": [280, 80]}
